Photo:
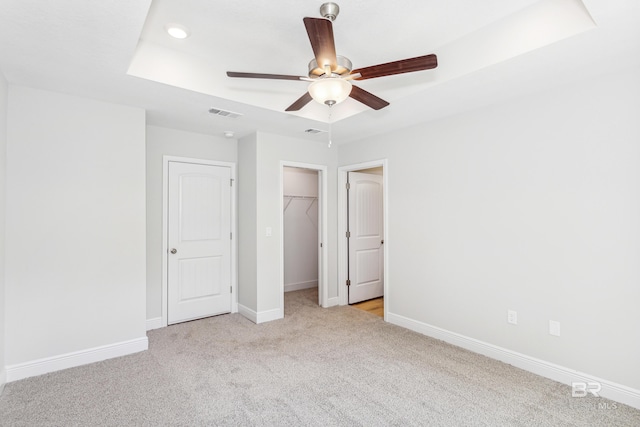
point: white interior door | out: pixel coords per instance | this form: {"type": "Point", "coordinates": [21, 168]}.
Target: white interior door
{"type": "Point", "coordinates": [199, 241]}
{"type": "Point", "coordinates": [366, 254]}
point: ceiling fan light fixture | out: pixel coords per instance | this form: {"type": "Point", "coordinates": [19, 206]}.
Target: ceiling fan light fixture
{"type": "Point", "coordinates": [330, 91]}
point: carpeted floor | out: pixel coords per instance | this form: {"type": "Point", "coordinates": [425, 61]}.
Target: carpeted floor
{"type": "Point", "coordinates": [324, 367]}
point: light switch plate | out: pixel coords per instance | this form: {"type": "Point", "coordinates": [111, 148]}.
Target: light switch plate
{"type": "Point", "coordinates": [554, 328]}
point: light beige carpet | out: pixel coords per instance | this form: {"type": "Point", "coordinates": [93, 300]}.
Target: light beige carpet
{"type": "Point", "coordinates": [324, 367]}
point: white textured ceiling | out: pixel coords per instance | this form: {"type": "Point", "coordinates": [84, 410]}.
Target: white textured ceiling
{"type": "Point", "coordinates": [488, 51]}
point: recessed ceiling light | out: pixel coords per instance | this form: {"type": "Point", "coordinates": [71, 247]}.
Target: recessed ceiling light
{"type": "Point", "coordinates": [177, 31]}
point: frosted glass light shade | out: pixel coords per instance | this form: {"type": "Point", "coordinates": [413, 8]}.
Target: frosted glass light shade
{"type": "Point", "coordinates": [330, 91]}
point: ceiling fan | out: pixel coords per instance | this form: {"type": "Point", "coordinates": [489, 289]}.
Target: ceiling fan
{"type": "Point", "coordinates": [331, 75]}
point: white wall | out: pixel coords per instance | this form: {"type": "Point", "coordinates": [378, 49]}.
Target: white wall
{"type": "Point", "coordinates": [533, 206]}
{"type": "Point", "coordinates": [300, 182]}
{"type": "Point", "coordinates": [247, 223]}
{"type": "Point", "coordinates": [3, 167]}
{"type": "Point", "coordinates": [259, 206]}
{"type": "Point", "coordinates": [271, 150]}
{"type": "Point", "coordinates": [75, 229]}
{"type": "Point", "coordinates": [300, 228]}
{"type": "Point", "coordinates": [171, 142]}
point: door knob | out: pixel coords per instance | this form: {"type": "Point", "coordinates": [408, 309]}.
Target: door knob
{"type": "Point", "coordinates": [174, 250]}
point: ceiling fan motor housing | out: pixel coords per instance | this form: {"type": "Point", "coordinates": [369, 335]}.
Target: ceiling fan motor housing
{"type": "Point", "coordinates": [344, 66]}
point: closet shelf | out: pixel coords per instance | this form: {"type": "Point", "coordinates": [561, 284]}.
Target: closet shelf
{"type": "Point", "coordinates": [291, 198]}
{"type": "Point", "coordinates": [300, 197]}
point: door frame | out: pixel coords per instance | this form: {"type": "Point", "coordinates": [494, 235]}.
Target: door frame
{"type": "Point", "coordinates": [323, 267]}
{"type": "Point", "coordinates": [165, 229]}
{"type": "Point", "coordinates": [343, 252]}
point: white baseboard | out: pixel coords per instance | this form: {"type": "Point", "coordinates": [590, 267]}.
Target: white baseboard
{"type": "Point", "coordinates": [260, 317]}
{"type": "Point", "coordinates": [3, 379]}
{"type": "Point", "coordinates": [77, 358]}
{"type": "Point", "coordinates": [155, 323]}
{"type": "Point", "coordinates": [300, 286]}
{"type": "Point", "coordinates": [610, 390]}
{"type": "Point", "coordinates": [269, 315]}
{"type": "Point", "coordinates": [248, 313]}
{"type": "Point", "coordinates": [331, 302]}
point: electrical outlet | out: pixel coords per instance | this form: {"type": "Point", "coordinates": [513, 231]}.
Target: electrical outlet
{"type": "Point", "coordinates": [512, 317]}
{"type": "Point", "coordinates": [554, 328]}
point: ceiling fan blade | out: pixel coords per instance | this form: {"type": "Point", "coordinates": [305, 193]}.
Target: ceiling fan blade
{"type": "Point", "coordinates": [367, 98]}
{"type": "Point", "coordinates": [263, 76]}
{"type": "Point", "coordinates": [410, 65]}
{"type": "Point", "coordinates": [320, 31]}
{"type": "Point", "coordinates": [301, 102]}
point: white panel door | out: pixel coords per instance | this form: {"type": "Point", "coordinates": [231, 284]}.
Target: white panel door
{"type": "Point", "coordinates": [366, 253]}
{"type": "Point", "coordinates": [199, 241]}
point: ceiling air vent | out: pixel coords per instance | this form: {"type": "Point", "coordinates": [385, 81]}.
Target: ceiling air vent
{"type": "Point", "coordinates": [224, 113]}
{"type": "Point", "coordinates": [314, 131]}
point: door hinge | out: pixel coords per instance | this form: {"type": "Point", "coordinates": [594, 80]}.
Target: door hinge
{"type": "Point", "coordinates": [348, 234]}
{"type": "Point", "coordinates": [231, 182]}
{"type": "Point", "coordinates": [230, 289]}
{"type": "Point", "coordinates": [348, 185]}
{"type": "Point", "coordinates": [231, 235]}
{"type": "Point", "coordinates": [348, 282]}
{"type": "Point", "coordinates": [320, 244]}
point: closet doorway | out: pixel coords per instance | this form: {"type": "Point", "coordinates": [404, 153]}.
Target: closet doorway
{"type": "Point", "coordinates": [303, 219]}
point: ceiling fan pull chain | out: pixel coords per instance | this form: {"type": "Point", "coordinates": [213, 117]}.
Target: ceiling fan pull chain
{"type": "Point", "coordinates": [330, 127]}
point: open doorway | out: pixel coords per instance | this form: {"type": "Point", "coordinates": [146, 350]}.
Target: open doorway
{"type": "Point", "coordinates": [303, 226]}
{"type": "Point", "coordinates": [362, 220]}
{"type": "Point", "coordinates": [300, 214]}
